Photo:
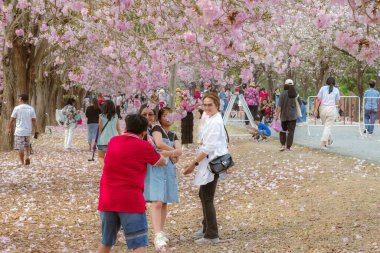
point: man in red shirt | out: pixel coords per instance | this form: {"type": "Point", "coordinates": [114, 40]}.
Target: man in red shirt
{"type": "Point", "coordinates": [121, 200]}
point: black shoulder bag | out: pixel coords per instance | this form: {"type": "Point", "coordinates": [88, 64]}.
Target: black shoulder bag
{"type": "Point", "coordinates": [222, 163]}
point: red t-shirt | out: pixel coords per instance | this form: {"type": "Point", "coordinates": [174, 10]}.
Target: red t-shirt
{"type": "Point", "coordinates": [264, 95]}
{"type": "Point", "coordinates": [122, 181]}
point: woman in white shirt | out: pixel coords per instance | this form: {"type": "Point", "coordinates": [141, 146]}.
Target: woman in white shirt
{"type": "Point", "coordinates": [327, 102]}
{"type": "Point", "coordinates": [214, 144]}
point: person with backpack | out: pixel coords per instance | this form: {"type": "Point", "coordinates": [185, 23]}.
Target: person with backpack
{"type": "Point", "coordinates": [108, 127]}
{"type": "Point", "coordinates": [287, 112]}
{"type": "Point", "coordinates": [92, 114]}
{"type": "Point", "coordinates": [25, 118]}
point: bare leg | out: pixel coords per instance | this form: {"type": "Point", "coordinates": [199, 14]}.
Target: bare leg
{"type": "Point", "coordinates": [104, 249]}
{"type": "Point", "coordinates": [21, 156]}
{"type": "Point", "coordinates": [157, 216]}
{"type": "Point", "coordinates": [101, 155]}
{"type": "Point", "coordinates": [164, 213]}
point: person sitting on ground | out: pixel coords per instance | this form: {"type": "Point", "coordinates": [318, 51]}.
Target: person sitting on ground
{"type": "Point", "coordinates": [262, 132]}
{"type": "Point", "coordinates": [25, 118]}
{"type": "Point", "coordinates": [121, 200]}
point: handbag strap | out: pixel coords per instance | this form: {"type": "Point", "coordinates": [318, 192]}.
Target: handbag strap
{"type": "Point", "coordinates": [105, 126]}
{"type": "Point", "coordinates": [228, 137]}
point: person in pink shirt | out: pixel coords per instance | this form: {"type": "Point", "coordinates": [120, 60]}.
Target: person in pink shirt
{"type": "Point", "coordinates": [251, 96]}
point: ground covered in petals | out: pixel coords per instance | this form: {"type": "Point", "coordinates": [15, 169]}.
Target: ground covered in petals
{"type": "Point", "coordinates": [300, 201]}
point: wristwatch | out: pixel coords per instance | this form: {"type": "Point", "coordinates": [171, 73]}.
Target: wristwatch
{"type": "Point", "coordinates": [196, 163]}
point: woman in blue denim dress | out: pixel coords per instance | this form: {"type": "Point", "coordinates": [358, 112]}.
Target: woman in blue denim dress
{"type": "Point", "coordinates": [161, 185]}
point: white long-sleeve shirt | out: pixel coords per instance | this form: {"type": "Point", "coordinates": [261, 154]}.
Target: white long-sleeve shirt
{"type": "Point", "coordinates": [214, 143]}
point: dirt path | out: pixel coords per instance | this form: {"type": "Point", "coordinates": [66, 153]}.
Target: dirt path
{"type": "Point", "coordinates": [300, 201]}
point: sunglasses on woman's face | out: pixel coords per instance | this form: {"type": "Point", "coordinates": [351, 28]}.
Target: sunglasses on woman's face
{"type": "Point", "coordinates": [208, 105]}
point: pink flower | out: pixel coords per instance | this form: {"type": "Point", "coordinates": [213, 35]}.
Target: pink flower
{"type": "Point", "coordinates": [323, 21]}
{"type": "Point", "coordinates": [294, 49]}
{"type": "Point", "coordinates": [19, 32]}
{"type": "Point", "coordinates": [122, 26]}
{"type": "Point", "coordinates": [189, 37]}
{"type": "Point", "coordinates": [77, 6]}
{"type": "Point", "coordinates": [246, 75]}
{"type": "Point", "coordinates": [22, 4]}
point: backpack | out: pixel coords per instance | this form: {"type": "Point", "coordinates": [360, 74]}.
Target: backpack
{"type": "Point", "coordinates": [59, 117]}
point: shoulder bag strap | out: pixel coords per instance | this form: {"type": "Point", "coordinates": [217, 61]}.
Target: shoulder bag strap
{"type": "Point", "coordinates": [105, 126]}
{"type": "Point", "coordinates": [228, 137]}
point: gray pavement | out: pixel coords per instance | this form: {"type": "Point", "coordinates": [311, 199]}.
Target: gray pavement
{"type": "Point", "coordinates": [347, 141]}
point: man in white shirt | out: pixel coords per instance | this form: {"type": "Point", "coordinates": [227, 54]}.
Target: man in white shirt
{"type": "Point", "coordinates": [25, 118]}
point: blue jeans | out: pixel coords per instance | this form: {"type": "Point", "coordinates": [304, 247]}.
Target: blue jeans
{"type": "Point", "coordinates": [370, 117]}
{"type": "Point", "coordinates": [135, 228]}
{"type": "Point", "coordinates": [92, 129]}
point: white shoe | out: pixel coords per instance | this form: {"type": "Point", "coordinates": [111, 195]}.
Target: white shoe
{"type": "Point", "coordinates": [207, 241]}
{"type": "Point", "coordinates": [159, 242]}
{"type": "Point", "coordinates": [165, 236]}
{"type": "Point", "coordinates": [282, 148]}
{"type": "Point", "coordinates": [199, 233]}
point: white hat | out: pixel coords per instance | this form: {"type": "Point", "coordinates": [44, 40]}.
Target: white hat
{"type": "Point", "coordinates": [289, 82]}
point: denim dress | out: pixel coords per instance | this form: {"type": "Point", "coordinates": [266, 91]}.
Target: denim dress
{"type": "Point", "coordinates": [161, 182]}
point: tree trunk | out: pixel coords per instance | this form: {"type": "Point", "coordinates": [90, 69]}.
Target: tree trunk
{"type": "Point", "coordinates": [359, 77]}
{"type": "Point", "coordinates": [322, 74]}
{"type": "Point", "coordinates": [172, 85]}
{"type": "Point", "coordinates": [15, 83]}
{"type": "Point", "coordinates": [270, 80]}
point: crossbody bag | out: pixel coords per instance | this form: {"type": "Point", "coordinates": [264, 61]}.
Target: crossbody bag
{"type": "Point", "coordinates": [222, 163]}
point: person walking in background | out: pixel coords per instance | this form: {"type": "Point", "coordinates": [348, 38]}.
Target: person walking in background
{"type": "Point", "coordinates": [25, 118]}
{"type": "Point", "coordinates": [371, 100]}
{"type": "Point", "coordinates": [121, 200]}
{"type": "Point", "coordinates": [101, 99]}
{"type": "Point", "coordinates": [327, 102]}
{"type": "Point", "coordinates": [161, 184]}
{"type": "Point", "coordinates": [214, 144]}
{"type": "Point", "coordinates": [287, 112]}
{"type": "Point", "coordinates": [187, 123]}
{"type": "Point", "coordinates": [108, 127]}
{"type": "Point", "coordinates": [70, 123]}
{"type": "Point", "coordinates": [251, 96]}
{"type": "Point", "coordinates": [92, 114]}
{"type": "Point", "coordinates": [276, 96]}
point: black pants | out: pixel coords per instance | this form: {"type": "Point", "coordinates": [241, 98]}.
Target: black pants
{"type": "Point", "coordinates": [206, 194]}
{"type": "Point", "coordinates": [288, 126]}
{"type": "Point", "coordinates": [253, 109]}
{"type": "Point", "coordinates": [118, 112]}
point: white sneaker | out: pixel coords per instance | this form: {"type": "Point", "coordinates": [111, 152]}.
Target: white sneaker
{"type": "Point", "coordinates": [199, 233]}
{"type": "Point", "coordinates": [159, 242]}
{"type": "Point", "coordinates": [282, 148]}
{"type": "Point", "coordinates": [207, 241]}
{"type": "Point", "coordinates": [165, 236]}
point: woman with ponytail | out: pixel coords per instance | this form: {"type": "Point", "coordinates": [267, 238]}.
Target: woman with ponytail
{"type": "Point", "coordinates": [327, 103]}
